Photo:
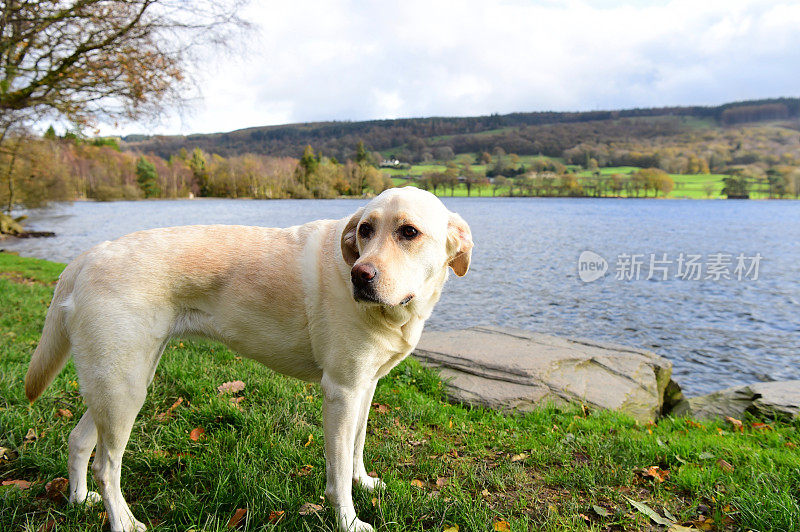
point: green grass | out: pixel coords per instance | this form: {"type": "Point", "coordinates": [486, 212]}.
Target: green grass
{"type": "Point", "coordinates": [250, 456]}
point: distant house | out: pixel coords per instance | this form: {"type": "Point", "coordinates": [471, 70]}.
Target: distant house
{"type": "Point", "coordinates": [390, 163]}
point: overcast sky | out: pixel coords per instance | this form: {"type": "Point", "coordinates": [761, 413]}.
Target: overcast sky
{"type": "Point", "coordinates": [343, 60]}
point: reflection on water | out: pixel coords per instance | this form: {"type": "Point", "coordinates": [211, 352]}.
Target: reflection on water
{"type": "Point", "coordinates": [524, 270]}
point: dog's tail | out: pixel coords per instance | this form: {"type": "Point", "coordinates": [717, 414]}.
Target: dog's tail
{"type": "Point", "coordinates": [53, 350]}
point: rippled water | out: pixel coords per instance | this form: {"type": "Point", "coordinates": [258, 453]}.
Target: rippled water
{"type": "Point", "coordinates": [524, 270]}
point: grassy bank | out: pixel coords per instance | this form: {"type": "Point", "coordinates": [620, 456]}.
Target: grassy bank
{"type": "Point", "coordinates": [555, 469]}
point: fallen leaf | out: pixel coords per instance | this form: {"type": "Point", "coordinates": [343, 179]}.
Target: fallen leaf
{"type": "Point", "coordinates": [649, 512]}
{"type": "Point", "coordinates": [381, 409]}
{"type": "Point", "coordinates": [518, 457]}
{"type": "Point", "coordinates": [761, 426]}
{"type": "Point", "coordinates": [694, 424]}
{"type": "Point", "coordinates": [6, 453]}
{"type": "Point", "coordinates": [656, 473]}
{"type": "Point", "coordinates": [197, 433]}
{"type": "Point", "coordinates": [679, 528]}
{"type": "Point", "coordinates": [416, 443]}
{"type": "Point", "coordinates": [47, 526]}
{"type": "Point", "coordinates": [237, 518]}
{"type": "Point", "coordinates": [63, 412]}
{"type": "Point", "coordinates": [501, 526]}
{"type": "Point", "coordinates": [275, 516]}
{"type": "Point", "coordinates": [440, 482]}
{"type": "Point", "coordinates": [725, 465]}
{"type": "Point", "coordinates": [21, 484]}
{"type": "Point", "coordinates": [30, 436]}
{"type": "Point", "coordinates": [737, 424]}
{"type": "Point", "coordinates": [584, 517]}
{"type": "Point", "coordinates": [56, 489]}
{"type": "Point", "coordinates": [706, 456]}
{"type": "Point", "coordinates": [450, 528]}
{"type": "Point", "coordinates": [230, 387]}
{"type": "Point", "coordinates": [417, 483]}
{"type": "Point", "coordinates": [310, 439]}
{"type": "Point", "coordinates": [599, 510]}
{"type": "Point", "coordinates": [305, 470]}
{"type": "Point", "coordinates": [309, 508]}
{"type": "Point", "coordinates": [374, 501]}
{"type": "Point", "coordinates": [164, 415]}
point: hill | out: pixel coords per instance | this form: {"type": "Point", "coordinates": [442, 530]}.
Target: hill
{"type": "Point", "coordinates": [546, 133]}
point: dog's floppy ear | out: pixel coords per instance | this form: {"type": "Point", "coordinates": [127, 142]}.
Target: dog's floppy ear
{"type": "Point", "coordinates": [459, 244]}
{"type": "Point", "coordinates": [349, 246]}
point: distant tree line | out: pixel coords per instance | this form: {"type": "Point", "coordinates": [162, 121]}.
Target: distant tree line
{"type": "Point", "coordinates": [37, 170]}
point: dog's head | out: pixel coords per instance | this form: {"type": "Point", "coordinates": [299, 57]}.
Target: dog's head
{"type": "Point", "coordinates": [400, 245]}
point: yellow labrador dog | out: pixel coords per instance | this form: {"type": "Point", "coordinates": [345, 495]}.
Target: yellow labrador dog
{"type": "Point", "coordinates": [339, 302]}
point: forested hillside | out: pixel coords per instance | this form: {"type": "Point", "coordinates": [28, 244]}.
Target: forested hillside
{"type": "Point", "coordinates": [418, 139]}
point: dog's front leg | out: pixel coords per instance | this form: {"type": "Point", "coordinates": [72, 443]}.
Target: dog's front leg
{"type": "Point", "coordinates": [359, 470]}
{"type": "Point", "coordinates": [340, 410]}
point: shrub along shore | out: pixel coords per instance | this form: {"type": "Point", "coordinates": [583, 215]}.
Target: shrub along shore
{"type": "Point", "coordinates": [198, 456]}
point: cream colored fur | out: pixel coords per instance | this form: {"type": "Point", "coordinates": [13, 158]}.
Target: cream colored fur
{"type": "Point", "coordinates": [283, 297]}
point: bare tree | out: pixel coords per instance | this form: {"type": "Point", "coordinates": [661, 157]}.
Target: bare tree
{"type": "Point", "coordinates": [86, 61]}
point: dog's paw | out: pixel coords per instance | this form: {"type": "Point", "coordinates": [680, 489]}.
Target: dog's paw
{"type": "Point", "coordinates": [370, 483]}
{"type": "Point", "coordinates": [357, 525]}
{"type": "Point", "coordinates": [91, 498]}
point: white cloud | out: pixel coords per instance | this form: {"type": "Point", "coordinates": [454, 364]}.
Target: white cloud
{"type": "Point", "coordinates": [349, 60]}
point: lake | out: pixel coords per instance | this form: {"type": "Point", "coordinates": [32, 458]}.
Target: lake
{"type": "Point", "coordinates": [718, 332]}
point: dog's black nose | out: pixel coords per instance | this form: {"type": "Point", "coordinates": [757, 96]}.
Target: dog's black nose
{"type": "Point", "coordinates": [363, 274]}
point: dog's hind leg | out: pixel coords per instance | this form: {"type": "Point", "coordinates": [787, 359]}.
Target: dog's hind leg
{"type": "Point", "coordinates": [82, 440]}
{"type": "Point", "coordinates": [114, 418]}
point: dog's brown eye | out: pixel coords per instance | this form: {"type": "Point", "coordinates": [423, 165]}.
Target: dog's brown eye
{"type": "Point", "coordinates": [365, 230]}
{"type": "Point", "coordinates": [409, 231]}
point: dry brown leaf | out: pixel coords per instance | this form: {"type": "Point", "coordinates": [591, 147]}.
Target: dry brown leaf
{"type": "Point", "coordinates": [56, 489]}
{"type": "Point", "coordinates": [733, 421]}
{"type": "Point", "coordinates": [417, 483]}
{"type": "Point", "coordinates": [440, 482]}
{"type": "Point", "coordinates": [305, 470]}
{"type": "Point", "coordinates": [374, 501]}
{"type": "Point", "coordinates": [47, 526]}
{"type": "Point", "coordinates": [381, 409]}
{"type": "Point", "coordinates": [30, 436]}
{"type": "Point", "coordinates": [450, 528]}
{"type": "Point", "coordinates": [21, 484]}
{"type": "Point", "coordinates": [725, 465]}
{"type": "Point", "coordinates": [501, 526]}
{"type": "Point", "coordinates": [761, 426]}
{"type": "Point", "coordinates": [197, 433]}
{"type": "Point", "coordinates": [309, 508]}
{"type": "Point", "coordinates": [6, 454]}
{"type": "Point", "coordinates": [518, 457]}
{"type": "Point", "coordinates": [237, 518]}
{"type": "Point", "coordinates": [656, 473]}
{"type": "Point", "coordinates": [485, 493]}
{"type": "Point", "coordinates": [310, 440]}
{"type": "Point", "coordinates": [63, 412]}
{"type": "Point", "coordinates": [275, 516]}
{"type": "Point", "coordinates": [164, 415]}
{"type": "Point", "coordinates": [230, 387]}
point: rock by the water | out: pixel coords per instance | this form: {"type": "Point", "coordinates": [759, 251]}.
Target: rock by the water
{"type": "Point", "coordinates": [774, 400]}
{"type": "Point", "coordinates": [512, 369]}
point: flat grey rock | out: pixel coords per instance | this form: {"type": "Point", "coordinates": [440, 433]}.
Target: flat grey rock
{"type": "Point", "coordinates": [779, 399]}
{"type": "Point", "coordinates": [512, 369]}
